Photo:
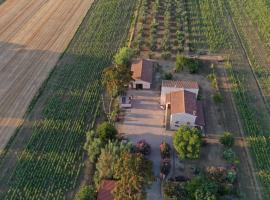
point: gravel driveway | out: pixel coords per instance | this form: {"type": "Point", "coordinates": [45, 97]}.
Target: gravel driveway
{"type": "Point", "coordinates": [145, 121]}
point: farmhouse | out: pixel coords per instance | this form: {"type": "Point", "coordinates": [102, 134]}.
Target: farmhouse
{"type": "Point", "coordinates": [105, 191]}
{"type": "Point", "coordinates": [179, 98]}
{"type": "Point", "coordinates": [142, 74]}
{"type": "Point", "coordinates": [169, 86]}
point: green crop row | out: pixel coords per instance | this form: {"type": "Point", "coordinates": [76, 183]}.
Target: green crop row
{"type": "Point", "coordinates": [51, 162]}
{"type": "Point", "coordinates": [218, 28]}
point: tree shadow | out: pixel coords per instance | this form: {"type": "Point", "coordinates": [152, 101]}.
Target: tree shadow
{"type": "Point", "coordinates": [63, 105]}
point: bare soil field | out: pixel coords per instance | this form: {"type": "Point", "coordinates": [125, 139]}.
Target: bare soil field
{"type": "Point", "coordinates": [33, 35]}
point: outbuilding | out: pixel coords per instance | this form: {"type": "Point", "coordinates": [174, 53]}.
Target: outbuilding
{"type": "Point", "coordinates": [169, 86]}
{"type": "Point", "coordinates": [142, 74]}
{"type": "Point", "coordinates": [182, 108]}
{"type": "Point", "coordinates": [105, 191]}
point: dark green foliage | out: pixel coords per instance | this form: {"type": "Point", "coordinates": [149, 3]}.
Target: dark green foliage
{"type": "Point", "coordinates": [229, 155]}
{"type": "Point", "coordinates": [217, 98]}
{"type": "Point", "coordinates": [106, 131]}
{"type": "Point", "coordinates": [227, 140]}
{"type": "Point", "coordinates": [110, 154]}
{"type": "Point", "coordinates": [123, 56]}
{"type": "Point", "coordinates": [168, 76]}
{"type": "Point", "coordinates": [166, 55]}
{"type": "Point", "coordinates": [86, 193]}
{"type": "Point", "coordinates": [187, 142]}
{"type": "Point", "coordinates": [93, 146]}
{"type": "Point", "coordinates": [202, 188]}
{"type": "Point", "coordinates": [174, 191]}
{"type": "Point", "coordinates": [193, 65]}
{"type": "Point", "coordinates": [180, 62]}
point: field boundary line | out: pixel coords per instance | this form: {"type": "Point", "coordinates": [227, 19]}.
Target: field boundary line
{"type": "Point", "coordinates": [137, 13]}
{"type": "Point", "coordinates": [249, 61]}
{"type": "Point", "coordinates": [245, 148]}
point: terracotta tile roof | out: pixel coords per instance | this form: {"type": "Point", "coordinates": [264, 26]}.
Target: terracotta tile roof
{"type": "Point", "coordinates": [182, 102]}
{"type": "Point", "coordinates": [105, 191]}
{"type": "Point", "coordinates": [180, 84]}
{"type": "Point", "coordinates": [200, 115]}
{"type": "Point", "coordinates": [142, 70]}
{"type": "Point", "coordinates": [186, 102]}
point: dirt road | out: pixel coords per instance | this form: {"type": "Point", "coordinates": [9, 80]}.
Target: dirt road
{"type": "Point", "coordinates": [33, 34]}
{"type": "Point", "coordinates": [145, 121]}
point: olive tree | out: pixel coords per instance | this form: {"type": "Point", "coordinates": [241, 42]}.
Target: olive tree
{"type": "Point", "coordinates": [187, 142]}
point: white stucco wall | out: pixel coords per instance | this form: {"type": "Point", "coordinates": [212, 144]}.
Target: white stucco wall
{"type": "Point", "coordinates": [146, 85]}
{"type": "Point", "coordinates": [166, 90]}
{"type": "Point", "coordinates": [182, 119]}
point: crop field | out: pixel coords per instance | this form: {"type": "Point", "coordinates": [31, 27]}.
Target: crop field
{"type": "Point", "coordinates": [49, 166]}
{"type": "Point", "coordinates": [161, 26]}
{"type": "Point", "coordinates": [253, 24]}
{"type": "Point", "coordinates": [227, 29]}
{"type": "Point", "coordinates": [33, 35]}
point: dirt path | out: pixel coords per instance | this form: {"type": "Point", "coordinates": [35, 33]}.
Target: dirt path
{"type": "Point", "coordinates": [33, 35]}
{"type": "Point", "coordinates": [145, 121]}
{"type": "Point", "coordinates": [247, 178]}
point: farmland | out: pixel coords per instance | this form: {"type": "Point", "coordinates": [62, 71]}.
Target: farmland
{"type": "Point", "coordinates": [33, 34]}
{"type": "Point", "coordinates": [240, 31]}
{"type": "Point", "coordinates": [49, 165]}
{"type": "Point", "coordinates": [226, 30]}
{"type": "Point", "coordinates": [156, 30]}
{"type": "Point", "coordinates": [46, 157]}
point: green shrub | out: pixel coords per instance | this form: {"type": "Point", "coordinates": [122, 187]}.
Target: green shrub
{"type": "Point", "coordinates": [180, 62]}
{"type": "Point", "coordinates": [168, 76]}
{"type": "Point", "coordinates": [227, 140]}
{"type": "Point", "coordinates": [187, 142]}
{"type": "Point", "coordinates": [93, 146]}
{"type": "Point", "coordinates": [106, 132]}
{"type": "Point", "coordinates": [123, 56]}
{"type": "Point", "coordinates": [229, 155]}
{"type": "Point", "coordinates": [174, 191]}
{"type": "Point", "coordinates": [231, 177]}
{"type": "Point", "coordinates": [218, 98]}
{"type": "Point", "coordinates": [86, 193]}
{"type": "Point", "coordinates": [193, 66]}
{"type": "Point", "coordinates": [166, 55]}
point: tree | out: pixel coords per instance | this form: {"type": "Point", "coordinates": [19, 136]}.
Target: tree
{"type": "Point", "coordinates": [193, 65]}
{"type": "Point", "coordinates": [115, 79]}
{"type": "Point", "coordinates": [201, 194]}
{"type": "Point", "coordinates": [106, 132]}
{"type": "Point", "coordinates": [109, 81]}
{"type": "Point", "coordinates": [110, 154]}
{"type": "Point", "coordinates": [93, 146]}
{"type": "Point", "coordinates": [201, 188]}
{"type": "Point", "coordinates": [174, 191]}
{"type": "Point", "coordinates": [180, 62]}
{"type": "Point", "coordinates": [168, 76]}
{"type": "Point", "coordinates": [229, 155]}
{"type": "Point", "coordinates": [123, 57]}
{"type": "Point", "coordinates": [134, 172]}
{"type": "Point", "coordinates": [227, 140]}
{"type": "Point", "coordinates": [187, 142]}
{"type": "Point", "coordinates": [86, 193]}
